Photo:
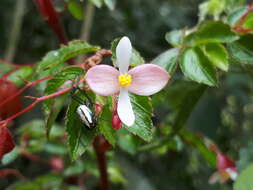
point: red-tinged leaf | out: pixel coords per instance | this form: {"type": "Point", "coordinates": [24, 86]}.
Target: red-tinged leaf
{"type": "Point", "coordinates": [7, 89]}
{"type": "Point", "coordinates": [6, 141]}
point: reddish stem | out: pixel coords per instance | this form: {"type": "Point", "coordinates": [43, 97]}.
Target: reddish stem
{"type": "Point", "coordinates": [48, 12]}
{"type": "Point", "coordinates": [102, 163]}
{"type": "Point", "coordinates": [37, 100]}
{"type": "Point", "coordinates": [5, 76]}
{"type": "Point", "coordinates": [240, 22]}
{"type": "Point", "coordinates": [241, 30]}
{"type": "Point", "coordinates": [15, 65]}
{"type": "Point", "coordinates": [5, 172]}
{"type": "Point", "coordinates": [35, 158]}
{"type": "Point", "coordinates": [9, 63]}
{"type": "Point", "coordinates": [29, 84]}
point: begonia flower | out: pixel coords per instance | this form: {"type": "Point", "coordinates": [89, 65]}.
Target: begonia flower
{"type": "Point", "coordinates": [144, 80]}
{"type": "Point", "coordinates": [226, 169]}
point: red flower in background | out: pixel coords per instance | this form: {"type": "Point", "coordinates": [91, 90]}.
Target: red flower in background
{"type": "Point", "coordinates": [226, 169]}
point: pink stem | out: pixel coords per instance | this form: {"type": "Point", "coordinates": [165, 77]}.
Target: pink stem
{"type": "Point", "coordinates": [29, 84]}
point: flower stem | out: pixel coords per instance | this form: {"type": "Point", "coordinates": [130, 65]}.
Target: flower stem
{"type": "Point", "coordinates": [102, 162]}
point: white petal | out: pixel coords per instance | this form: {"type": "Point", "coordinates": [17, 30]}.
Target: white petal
{"type": "Point", "coordinates": [125, 110]}
{"type": "Point", "coordinates": [232, 173]}
{"type": "Point", "coordinates": [123, 54]}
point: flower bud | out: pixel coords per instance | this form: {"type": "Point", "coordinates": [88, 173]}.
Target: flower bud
{"type": "Point", "coordinates": [116, 122]}
{"type": "Point", "coordinates": [223, 162]}
{"type": "Point", "coordinates": [98, 108]}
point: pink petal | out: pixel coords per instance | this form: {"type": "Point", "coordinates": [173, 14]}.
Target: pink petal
{"type": "Point", "coordinates": [148, 79]}
{"type": "Point", "coordinates": [103, 80]}
{"type": "Point", "coordinates": [123, 54]}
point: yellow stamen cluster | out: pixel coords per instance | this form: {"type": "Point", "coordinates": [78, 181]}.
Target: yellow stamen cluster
{"type": "Point", "coordinates": [125, 79]}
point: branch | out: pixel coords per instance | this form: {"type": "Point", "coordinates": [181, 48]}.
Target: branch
{"type": "Point", "coordinates": [102, 162]}
{"type": "Point", "coordinates": [9, 63]}
{"type": "Point", "coordinates": [15, 29]}
{"type": "Point", "coordinates": [37, 100]}
{"type": "Point", "coordinates": [95, 59]}
{"type": "Point", "coordinates": [238, 27]}
{"type": "Point", "coordinates": [29, 84]}
{"type": "Point", "coordinates": [5, 172]}
{"type": "Point", "coordinates": [241, 30]}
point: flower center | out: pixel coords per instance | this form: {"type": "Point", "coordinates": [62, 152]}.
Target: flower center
{"type": "Point", "coordinates": [125, 79]}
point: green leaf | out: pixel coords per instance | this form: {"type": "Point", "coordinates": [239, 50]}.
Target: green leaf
{"type": "Point", "coordinates": [10, 157]}
{"type": "Point", "coordinates": [217, 54]}
{"type": "Point", "coordinates": [35, 129]}
{"type": "Point", "coordinates": [196, 66]}
{"type": "Point", "coordinates": [203, 10]}
{"type": "Point", "coordinates": [98, 3]}
{"type": "Point", "coordinates": [55, 148]}
{"type": "Point", "coordinates": [211, 7]}
{"type": "Point", "coordinates": [5, 68]}
{"type": "Point", "coordinates": [211, 32]}
{"type": "Point", "coordinates": [79, 138]}
{"type": "Point", "coordinates": [175, 37]}
{"type": "Point", "coordinates": [76, 9]}
{"type": "Point", "coordinates": [49, 181]}
{"type": "Point", "coordinates": [199, 143]}
{"type": "Point", "coordinates": [216, 7]}
{"type": "Point", "coordinates": [136, 58]}
{"type": "Point", "coordinates": [24, 186]}
{"type": "Point", "coordinates": [143, 126]}
{"type": "Point", "coordinates": [52, 107]}
{"type": "Point", "coordinates": [245, 157]}
{"type": "Point", "coordinates": [20, 75]}
{"type": "Point", "coordinates": [110, 4]}
{"type": "Point", "coordinates": [242, 49]}
{"type": "Point", "coordinates": [248, 22]}
{"type": "Point", "coordinates": [244, 181]}
{"type": "Point", "coordinates": [236, 14]}
{"type": "Point", "coordinates": [127, 142]}
{"type": "Point", "coordinates": [105, 125]}
{"type": "Point", "coordinates": [66, 52]}
{"type": "Point", "coordinates": [187, 105]}
{"type": "Point", "coordinates": [168, 60]}
{"type": "Point", "coordinates": [114, 44]}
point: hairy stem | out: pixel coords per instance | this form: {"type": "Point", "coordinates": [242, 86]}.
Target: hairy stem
{"type": "Point", "coordinates": [15, 29]}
